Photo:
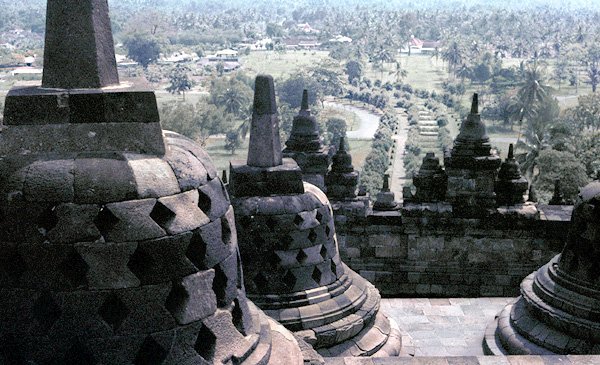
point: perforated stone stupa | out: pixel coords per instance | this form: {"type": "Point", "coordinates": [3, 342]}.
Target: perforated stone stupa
{"type": "Point", "coordinates": [289, 249]}
{"type": "Point", "coordinates": [558, 311]}
{"type": "Point", "coordinates": [117, 244]}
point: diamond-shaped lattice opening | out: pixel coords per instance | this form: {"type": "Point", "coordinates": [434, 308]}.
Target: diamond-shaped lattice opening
{"type": "Point", "coordinates": [151, 353]}
{"type": "Point", "coordinates": [177, 299]}
{"type": "Point", "coordinates": [289, 280]}
{"type": "Point", "coordinates": [113, 311]}
{"type": "Point", "coordinates": [271, 223]}
{"type": "Point", "coordinates": [219, 286]}
{"type": "Point", "coordinates": [301, 257]}
{"type": "Point", "coordinates": [204, 202]}
{"type": "Point", "coordinates": [298, 220]}
{"type": "Point", "coordinates": [238, 317]}
{"type": "Point", "coordinates": [140, 263]}
{"type": "Point", "coordinates": [78, 354]}
{"type": "Point", "coordinates": [273, 259]}
{"type": "Point", "coordinates": [75, 269]}
{"type": "Point", "coordinates": [316, 275]}
{"type": "Point", "coordinates": [260, 281]}
{"type": "Point", "coordinates": [225, 231]}
{"type": "Point", "coordinates": [312, 236]}
{"type": "Point", "coordinates": [286, 242]}
{"type": "Point", "coordinates": [161, 214]}
{"type": "Point", "coordinates": [205, 344]}
{"type": "Point", "coordinates": [48, 220]}
{"type": "Point", "coordinates": [323, 252]}
{"type": "Point", "coordinates": [319, 217]}
{"type": "Point", "coordinates": [12, 264]}
{"type": "Point", "coordinates": [45, 311]}
{"type": "Point", "coordinates": [105, 220]}
{"type": "Point", "coordinates": [333, 268]}
{"type": "Point", "coordinates": [328, 231]}
{"type": "Point", "coordinates": [196, 251]}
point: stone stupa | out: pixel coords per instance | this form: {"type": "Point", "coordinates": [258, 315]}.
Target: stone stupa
{"type": "Point", "coordinates": [117, 242]}
{"type": "Point", "coordinates": [306, 148]}
{"type": "Point", "coordinates": [472, 167]}
{"type": "Point", "coordinates": [558, 311]}
{"type": "Point", "coordinates": [289, 249]}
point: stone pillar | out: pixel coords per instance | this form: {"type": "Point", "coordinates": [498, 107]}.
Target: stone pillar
{"type": "Point", "coordinates": [113, 248]}
{"type": "Point", "coordinates": [431, 180]}
{"type": "Point", "coordinates": [305, 147]}
{"type": "Point", "coordinates": [558, 312]}
{"type": "Point", "coordinates": [471, 168]}
{"type": "Point", "coordinates": [510, 186]}
{"type": "Point", "coordinates": [292, 263]}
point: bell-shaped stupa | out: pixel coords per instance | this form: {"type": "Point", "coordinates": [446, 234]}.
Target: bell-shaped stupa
{"type": "Point", "coordinates": [305, 146]}
{"type": "Point", "coordinates": [558, 311]}
{"type": "Point", "coordinates": [117, 242]}
{"type": "Point", "coordinates": [289, 249]}
{"type": "Point", "coordinates": [472, 167]}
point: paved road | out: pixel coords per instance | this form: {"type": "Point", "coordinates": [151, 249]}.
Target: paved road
{"type": "Point", "coordinates": [369, 121]}
{"type": "Point", "coordinates": [398, 175]}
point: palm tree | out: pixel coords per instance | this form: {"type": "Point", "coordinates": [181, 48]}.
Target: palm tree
{"type": "Point", "coordinates": [533, 93]}
{"type": "Point", "coordinates": [399, 72]}
{"type": "Point", "coordinates": [533, 142]}
{"type": "Point", "coordinates": [454, 55]}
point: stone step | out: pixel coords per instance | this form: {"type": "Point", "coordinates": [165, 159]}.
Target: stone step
{"type": "Point", "coordinates": [346, 328]}
{"type": "Point", "coordinates": [373, 338]}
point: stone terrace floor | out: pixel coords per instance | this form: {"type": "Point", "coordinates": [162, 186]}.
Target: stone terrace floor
{"type": "Point", "coordinates": [444, 327]}
{"type": "Point", "coordinates": [450, 332]}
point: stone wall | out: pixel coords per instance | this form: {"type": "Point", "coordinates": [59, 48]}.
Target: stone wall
{"type": "Point", "coordinates": [429, 252]}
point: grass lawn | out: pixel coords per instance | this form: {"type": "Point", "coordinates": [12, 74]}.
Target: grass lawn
{"type": "Point", "coordinates": [352, 121]}
{"type": "Point", "coordinates": [215, 148]}
{"type": "Point", "coordinates": [280, 65]}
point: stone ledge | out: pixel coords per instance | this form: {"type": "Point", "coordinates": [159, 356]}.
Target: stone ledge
{"type": "Point", "coordinates": [471, 360]}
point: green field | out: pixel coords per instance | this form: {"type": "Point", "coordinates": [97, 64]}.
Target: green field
{"type": "Point", "coordinates": [215, 148]}
{"type": "Point", "coordinates": [281, 64]}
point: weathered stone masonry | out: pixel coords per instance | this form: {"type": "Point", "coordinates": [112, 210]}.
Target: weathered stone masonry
{"type": "Point", "coordinates": [432, 253]}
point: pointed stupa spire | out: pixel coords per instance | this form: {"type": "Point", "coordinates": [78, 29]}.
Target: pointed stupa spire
{"type": "Point", "coordinates": [511, 152]}
{"type": "Point", "coordinates": [304, 106]}
{"type": "Point", "coordinates": [79, 51]}
{"type": "Point", "coordinates": [265, 145]}
{"type": "Point", "coordinates": [475, 104]}
{"type": "Point", "coordinates": [386, 183]}
{"type": "Point", "coordinates": [342, 147]}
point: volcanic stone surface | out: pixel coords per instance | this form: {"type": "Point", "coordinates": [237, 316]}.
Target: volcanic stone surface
{"type": "Point", "coordinates": [431, 180]}
{"type": "Point", "coordinates": [305, 147]}
{"type": "Point", "coordinates": [118, 243]}
{"type": "Point", "coordinates": [472, 167]}
{"type": "Point", "coordinates": [558, 311]}
{"type": "Point", "coordinates": [293, 269]}
{"type": "Point", "coordinates": [510, 186]}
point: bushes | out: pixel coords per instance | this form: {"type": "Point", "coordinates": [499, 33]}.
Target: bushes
{"type": "Point", "coordinates": [378, 100]}
{"type": "Point", "coordinates": [378, 159]}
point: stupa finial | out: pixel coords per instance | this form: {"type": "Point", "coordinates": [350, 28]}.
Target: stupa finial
{"type": "Point", "coordinates": [265, 145]}
{"type": "Point", "coordinates": [475, 104]}
{"type": "Point", "coordinates": [304, 105]}
{"type": "Point", "coordinates": [79, 51]}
